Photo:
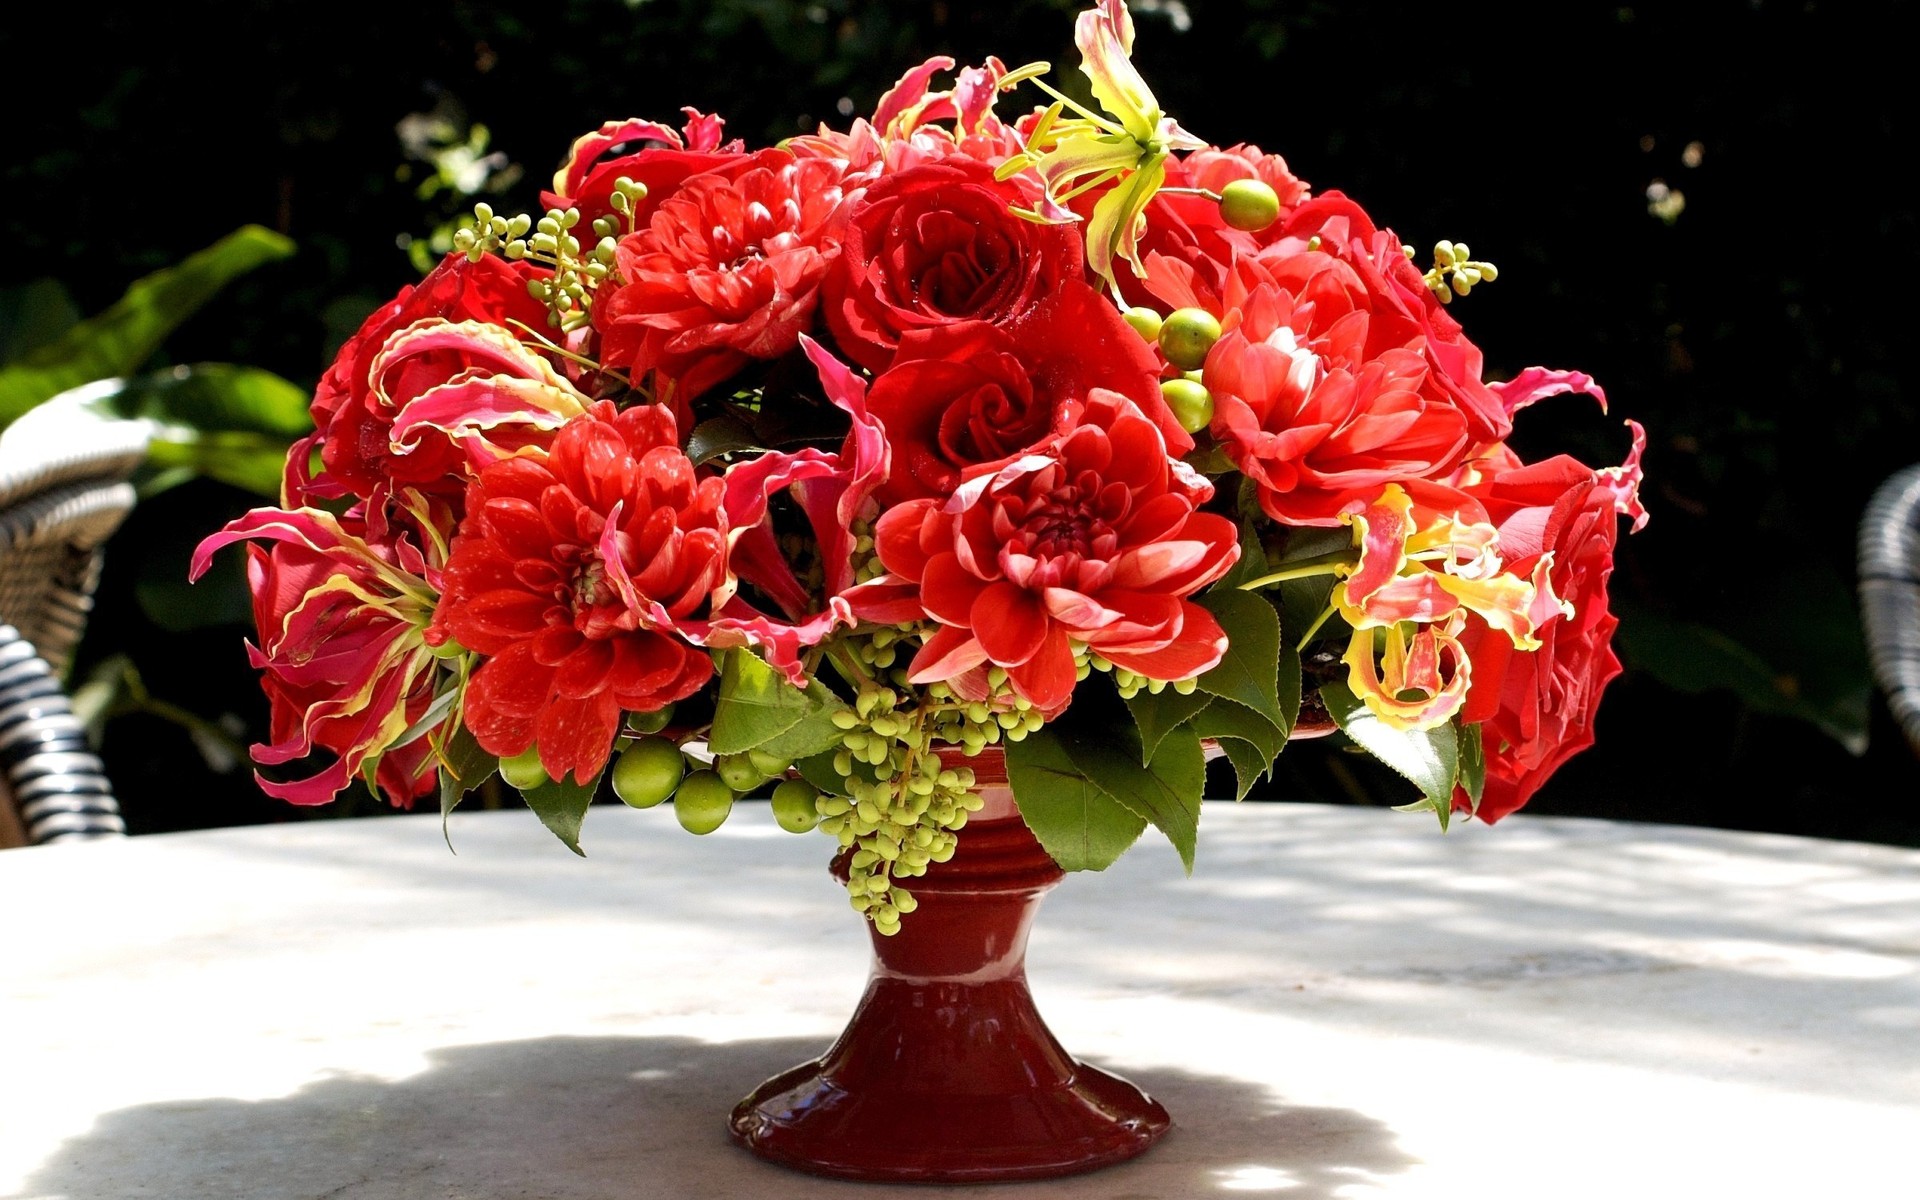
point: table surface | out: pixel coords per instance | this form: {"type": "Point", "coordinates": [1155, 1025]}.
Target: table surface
{"type": "Point", "coordinates": [1339, 1003]}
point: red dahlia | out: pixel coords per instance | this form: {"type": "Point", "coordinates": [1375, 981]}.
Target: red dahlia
{"type": "Point", "coordinates": [567, 575]}
{"type": "Point", "coordinates": [1092, 539]}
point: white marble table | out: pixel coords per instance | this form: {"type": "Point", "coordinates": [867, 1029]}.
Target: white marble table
{"type": "Point", "coordinates": [1339, 1003]}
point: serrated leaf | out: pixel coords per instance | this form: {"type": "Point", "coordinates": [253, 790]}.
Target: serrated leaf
{"type": "Point", "coordinates": [1079, 825]}
{"type": "Point", "coordinates": [117, 341]}
{"type": "Point", "coordinates": [1157, 716]}
{"type": "Point", "coordinates": [1226, 719]}
{"type": "Point", "coordinates": [1250, 741]}
{"type": "Point", "coordinates": [466, 767]}
{"type": "Point", "coordinates": [1301, 603]}
{"type": "Point", "coordinates": [758, 708]}
{"type": "Point", "coordinates": [1167, 791]}
{"type": "Point", "coordinates": [1251, 564]}
{"type": "Point", "coordinates": [717, 436]}
{"type": "Point", "coordinates": [817, 769]}
{"type": "Point", "coordinates": [1473, 762]}
{"type": "Point", "coordinates": [1249, 674]}
{"type": "Point", "coordinates": [1248, 763]}
{"type": "Point", "coordinates": [1289, 687]}
{"type": "Point", "coordinates": [813, 733]}
{"type": "Point", "coordinates": [1427, 758]}
{"type": "Point", "coordinates": [561, 806]}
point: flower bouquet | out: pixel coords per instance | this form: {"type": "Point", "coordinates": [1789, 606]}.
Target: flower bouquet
{"type": "Point", "coordinates": [890, 463]}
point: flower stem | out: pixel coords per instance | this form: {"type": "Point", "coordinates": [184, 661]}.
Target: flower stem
{"type": "Point", "coordinates": [1332, 563]}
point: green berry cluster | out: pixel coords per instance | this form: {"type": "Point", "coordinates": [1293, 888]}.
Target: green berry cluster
{"type": "Point", "coordinates": [1185, 336]}
{"type": "Point", "coordinates": [903, 806]}
{"type": "Point", "coordinates": [568, 291]}
{"type": "Point", "coordinates": [1454, 270]}
{"type": "Point", "coordinates": [1128, 683]}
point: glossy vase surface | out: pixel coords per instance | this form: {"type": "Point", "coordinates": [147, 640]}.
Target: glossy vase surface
{"type": "Point", "coordinates": [946, 1073]}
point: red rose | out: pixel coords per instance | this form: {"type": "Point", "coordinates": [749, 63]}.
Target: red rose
{"type": "Point", "coordinates": [935, 244]}
{"type": "Point", "coordinates": [969, 396]}
{"type": "Point", "coordinates": [1093, 539]}
{"type": "Point", "coordinates": [728, 269]}
{"type": "Point", "coordinates": [354, 421]}
{"type": "Point", "coordinates": [567, 575]}
{"type": "Point", "coordinates": [1536, 709]}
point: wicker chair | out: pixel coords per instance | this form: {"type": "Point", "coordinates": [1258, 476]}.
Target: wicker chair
{"type": "Point", "coordinates": [1890, 594]}
{"type": "Point", "coordinates": [63, 490]}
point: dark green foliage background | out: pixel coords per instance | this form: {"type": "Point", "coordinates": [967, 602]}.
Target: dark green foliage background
{"type": "Point", "coordinates": [1761, 336]}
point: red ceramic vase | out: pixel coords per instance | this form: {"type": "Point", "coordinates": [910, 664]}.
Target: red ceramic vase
{"type": "Point", "coordinates": [947, 1074]}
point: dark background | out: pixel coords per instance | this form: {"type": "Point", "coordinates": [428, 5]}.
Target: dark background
{"type": "Point", "coordinates": [1760, 331]}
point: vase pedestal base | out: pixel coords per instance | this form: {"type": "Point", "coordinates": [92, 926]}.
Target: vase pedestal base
{"type": "Point", "coordinates": [1013, 1106]}
{"type": "Point", "coordinates": [946, 1073]}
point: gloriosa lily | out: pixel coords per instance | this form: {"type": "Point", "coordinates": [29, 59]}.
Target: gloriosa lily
{"type": "Point", "coordinates": [1418, 577]}
{"type": "Point", "coordinates": [1127, 147]}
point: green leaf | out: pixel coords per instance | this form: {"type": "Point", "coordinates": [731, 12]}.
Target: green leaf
{"type": "Point", "coordinates": [1166, 792]}
{"type": "Point", "coordinates": [758, 709]}
{"type": "Point", "coordinates": [1249, 674]}
{"type": "Point", "coordinates": [118, 340]}
{"type": "Point", "coordinates": [1803, 658]}
{"type": "Point", "coordinates": [1250, 741]}
{"type": "Point", "coordinates": [215, 396]}
{"type": "Point", "coordinates": [817, 769]}
{"type": "Point", "coordinates": [813, 733]}
{"type": "Point", "coordinates": [1157, 716]}
{"type": "Point", "coordinates": [1248, 763]}
{"type": "Point", "coordinates": [561, 806]}
{"type": "Point", "coordinates": [1427, 758]}
{"type": "Point", "coordinates": [253, 461]}
{"type": "Point", "coordinates": [1078, 824]}
{"type": "Point", "coordinates": [1301, 603]}
{"type": "Point", "coordinates": [1252, 563]}
{"type": "Point", "coordinates": [719, 435]}
{"type": "Point", "coordinates": [466, 767]}
{"type": "Point", "coordinates": [1473, 762]}
{"type": "Point", "coordinates": [1289, 688]}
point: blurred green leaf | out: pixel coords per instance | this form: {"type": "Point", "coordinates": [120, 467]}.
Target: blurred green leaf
{"type": "Point", "coordinates": [216, 396]}
{"type": "Point", "coordinates": [1831, 690]}
{"type": "Point", "coordinates": [117, 341]}
{"type": "Point", "coordinates": [247, 460]}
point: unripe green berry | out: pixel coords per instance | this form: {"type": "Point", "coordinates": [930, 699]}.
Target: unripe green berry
{"type": "Point", "coordinates": [702, 802]}
{"type": "Point", "coordinates": [1249, 204]}
{"type": "Point", "coordinates": [648, 771]}
{"type": "Point", "coordinates": [796, 805]}
{"type": "Point", "coordinates": [1192, 404]}
{"type": "Point", "coordinates": [1187, 335]}
{"type": "Point", "coordinates": [739, 772]}
{"type": "Point", "coordinates": [769, 765]}
{"type": "Point", "coordinates": [1145, 322]}
{"type": "Point", "coordinates": [650, 722]}
{"type": "Point", "coordinates": [523, 770]}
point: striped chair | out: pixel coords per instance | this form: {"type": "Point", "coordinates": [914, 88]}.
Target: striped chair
{"type": "Point", "coordinates": [1890, 594]}
{"type": "Point", "coordinates": [63, 490]}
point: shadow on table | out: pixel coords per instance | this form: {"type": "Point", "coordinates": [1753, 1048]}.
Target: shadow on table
{"type": "Point", "coordinates": [579, 1118]}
